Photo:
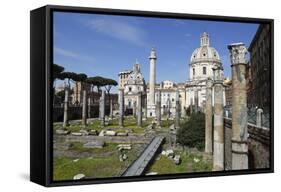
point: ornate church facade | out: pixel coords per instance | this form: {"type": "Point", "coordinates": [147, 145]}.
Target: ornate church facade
{"type": "Point", "coordinates": [192, 93]}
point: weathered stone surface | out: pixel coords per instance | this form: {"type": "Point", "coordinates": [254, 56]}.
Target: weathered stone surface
{"type": "Point", "coordinates": [238, 53]}
{"type": "Point", "coordinates": [177, 159]}
{"type": "Point", "coordinates": [123, 157]}
{"type": "Point", "coordinates": [168, 153]}
{"type": "Point", "coordinates": [94, 144]}
{"type": "Point", "coordinates": [93, 132]}
{"type": "Point", "coordinates": [208, 118]}
{"type": "Point", "coordinates": [102, 133]}
{"type": "Point", "coordinates": [62, 132]}
{"type": "Point", "coordinates": [122, 134]}
{"type": "Point", "coordinates": [110, 133]}
{"type": "Point", "coordinates": [151, 173]}
{"type": "Point", "coordinates": [124, 146]}
{"type": "Point", "coordinates": [218, 153]}
{"type": "Point", "coordinates": [76, 134]}
{"type": "Point", "coordinates": [79, 176]}
{"type": "Point", "coordinates": [84, 132]}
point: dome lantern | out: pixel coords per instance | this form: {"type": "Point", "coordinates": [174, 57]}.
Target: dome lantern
{"type": "Point", "coordinates": [205, 39]}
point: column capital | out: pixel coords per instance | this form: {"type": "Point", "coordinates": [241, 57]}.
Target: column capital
{"type": "Point", "coordinates": [238, 53]}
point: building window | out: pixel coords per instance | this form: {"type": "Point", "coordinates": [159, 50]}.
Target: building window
{"type": "Point", "coordinates": [130, 89]}
{"type": "Point", "coordinates": [204, 71]}
{"type": "Point", "coordinates": [193, 71]}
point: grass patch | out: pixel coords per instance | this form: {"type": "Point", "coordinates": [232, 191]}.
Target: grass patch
{"type": "Point", "coordinates": [65, 168]}
{"type": "Point", "coordinates": [166, 166]}
{"type": "Point", "coordinates": [78, 146]}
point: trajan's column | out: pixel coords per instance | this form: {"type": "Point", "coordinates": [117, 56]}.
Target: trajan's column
{"type": "Point", "coordinates": [152, 81]}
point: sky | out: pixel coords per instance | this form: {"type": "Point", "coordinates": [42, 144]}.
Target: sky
{"type": "Point", "coordinates": [104, 45]}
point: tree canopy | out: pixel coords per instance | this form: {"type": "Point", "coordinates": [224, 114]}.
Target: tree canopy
{"type": "Point", "coordinates": [192, 132]}
{"type": "Point", "coordinates": [57, 70]}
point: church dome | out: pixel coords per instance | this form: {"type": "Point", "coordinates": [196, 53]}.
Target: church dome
{"type": "Point", "coordinates": [204, 52]}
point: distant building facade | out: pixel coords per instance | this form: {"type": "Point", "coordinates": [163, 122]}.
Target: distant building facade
{"type": "Point", "coordinates": [201, 64]}
{"type": "Point", "coordinates": [259, 93]}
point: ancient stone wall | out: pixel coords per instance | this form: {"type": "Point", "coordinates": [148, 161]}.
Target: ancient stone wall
{"type": "Point", "coordinates": [258, 143]}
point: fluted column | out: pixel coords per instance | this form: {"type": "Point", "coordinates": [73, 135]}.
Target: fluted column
{"type": "Point", "coordinates": [239, 106]}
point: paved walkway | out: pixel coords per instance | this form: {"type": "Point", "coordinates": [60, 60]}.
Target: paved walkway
{"type": "Point", "coordinates": [139, 165]}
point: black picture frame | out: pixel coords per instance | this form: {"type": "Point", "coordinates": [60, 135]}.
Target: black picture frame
{"type": "Point", "coordinates": [41, 55]}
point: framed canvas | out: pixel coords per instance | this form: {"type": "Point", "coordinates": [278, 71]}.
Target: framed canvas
{"type": "Point", "coordinates": [123, 95]}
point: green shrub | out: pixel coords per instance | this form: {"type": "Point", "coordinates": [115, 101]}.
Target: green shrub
{"type": "Point", "coordinates": [192, 132]}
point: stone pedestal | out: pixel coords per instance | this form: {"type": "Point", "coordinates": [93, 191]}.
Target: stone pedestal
{"type": "Point", "coordinates": [121, 108]}
{"type": "Point", "coordinates": [209, 118]}
{"type": "Point", "coordinates": [84, 109]}
{"type": "Point", "coordinates": [218, 154]}
{"type": "Point", "coordinates": [65, 108]}
{"type": "Point", "coordinates": [102, 108]}
{"type": "Point", "coordinates": [139, 110]}
{"type": "Point", "coordinates": [239, 106]}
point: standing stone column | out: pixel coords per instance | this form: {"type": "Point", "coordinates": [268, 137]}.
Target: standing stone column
{"type": "Point", "coordinates": [102, 108]}
{"type": "Point", "coordinates": [139, 110]}
{"type": "Point", "coordinates": [158, 109]}
{"type": "Point", "coordinates": [65, 110]}
{"type": "Point", "coordinates": [145, 108]}
{"type": "Point", "coordinates": [259, 117]}
{"type": "Point", "coordinates": [111, 109]}
{"type": "Point", "coordinates": [208, 118]}
{"type": "Point", "coordinates": [134, 109]}
{"type": "Point", "coordinates": [177, 117]}
{"type": "Point", "coordinates": [218, 154]}
{"type": "Point", "coordinates": [84, 109]}
{"type": "Point", "coordinates": [196, 99]}
{"type": "Point", "coordinates": [121, 108]}
{"type": "Point", "coordinates": [184, 105]}
{"type": "Point", "coordinates": [89, 106]}
{"type": "Point", "coordinates": [238, 53]}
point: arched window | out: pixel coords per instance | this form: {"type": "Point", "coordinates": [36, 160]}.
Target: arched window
{"type": "Point", "coordinates": [193, 71]}
{"type": "Point", "coordinates": [204, 71]}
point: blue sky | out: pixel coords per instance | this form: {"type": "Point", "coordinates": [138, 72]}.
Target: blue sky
{"type": "Point", "coordinates": [104, 45]}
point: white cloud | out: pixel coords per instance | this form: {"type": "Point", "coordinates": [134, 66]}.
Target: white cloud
{"type": "Point", "coordinates": [188, 35]}
{"type": "Point", "coordinates": [72, 54]}
{"type": "Point", "coordinates": [65, 52]}
{"type": "Point", "coordinates": [119, 29]}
